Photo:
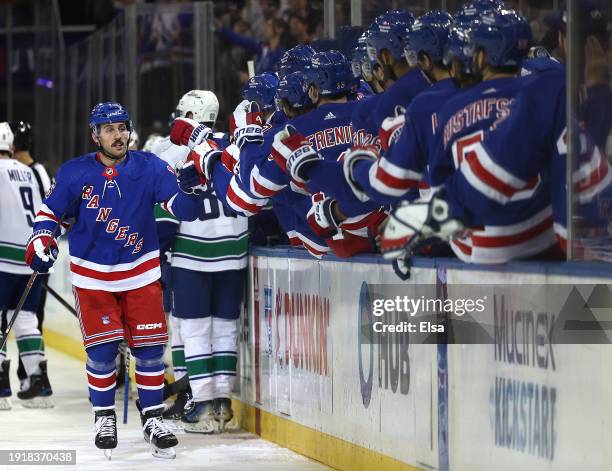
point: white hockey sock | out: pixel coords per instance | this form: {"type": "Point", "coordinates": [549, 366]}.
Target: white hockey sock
{"type": "Point", "coordinates": [198, 357]}
{"type": "Point", "coordinates": [179, 367]}
{"type": "Point", "coordinates": [29, 341]}
{"type": "Point", "coordinates": [225, 355]}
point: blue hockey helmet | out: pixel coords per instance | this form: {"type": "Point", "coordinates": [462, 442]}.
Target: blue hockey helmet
{"type": "Point", "coordinates": [503, 34]}
{"type": "Point", "coordinates": [106, 113]}
{"type": "Point", "coordinates": [389, 31]}
{"type": "Point", "coordinates": [261, 89]}
{"type": "Point", "coordinates": [393, 16]}
{"type": "Point", "coordinates": [437, 16]}
{"type": "Point", "coordinates": [429, 34]}
{"type": "Point", "coordinates": [474, 9]}
{"type": "Point", "coordinates": [458, 47]}
{"type": "Point", "coordinates": [331, 72]}
{"type": "Point", "coordinates": [293, 89]}
{"type": "Point", "coordinates": [295, 59]}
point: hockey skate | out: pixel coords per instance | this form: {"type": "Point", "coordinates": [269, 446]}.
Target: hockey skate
{"type": "Point", "coordinates": [177, 409]}
{"type": "Point", "coordinates": [156, 433]}
{"type": "Point", "coordinates": [36, 390]}
{"type": "Point", "coordinates": [223, 412]}
{"type": "Point", "coordinates": [5, 386]}
{"type": "Point", "coordinates": [106, 431]}
{"type": "Point", "coordinates": [200, 419]}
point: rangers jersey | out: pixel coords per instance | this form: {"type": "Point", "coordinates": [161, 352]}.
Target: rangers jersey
{"type": "Point", "coordinates": [113, 239]}
{"type": "Point", "coordinates": [19, 202]}
{"type": "Point", "coordinates": [542, 149]}
{"type": "Point", "coordinates": [400, 94]}
{"type": "Point", "coordinates": [365, 128]}
{"type": "Point", "coordinates": [403, 167]}
{"type": "Point", "coordinates": [486, 179]}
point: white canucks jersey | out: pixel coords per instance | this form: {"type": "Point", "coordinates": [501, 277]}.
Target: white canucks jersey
{"type": "Point", "coordinates": [217, 240]}
{"type": "Point", "coordinates": [19, 203]}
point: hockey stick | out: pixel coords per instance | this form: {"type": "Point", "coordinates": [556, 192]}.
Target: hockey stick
{"type": "Point", "coordinates": [20, 304]}
{"type": "Point", "coordinates": [126, 385]}
{"type": "Point", "coordinates": [176, 387]}
{"type": "Point", "coordinates": [60, 300]}
{"type": "Point", "coordinates": [34, 275]}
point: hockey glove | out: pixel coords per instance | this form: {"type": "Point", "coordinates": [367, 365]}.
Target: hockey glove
{"type": "Point", "coordinates": [356, 154]}
{"type": "Point", "coordinates": [246, 124]}
{"type": "Point", "coordinates": [293, 153]}
{"type": "Point", "coordinates": [321, 218]}
{"type": "Point", "coordinates": [204, 157]}
{"type": "Point", "coordinates": [190, 181]}
{"type": "Point", "coordinates": [391, 128]}
{"type": "Point", "coordinates": [230, 158]}
{"type": "Point", "coordinates": [41, 251]}
{"type": "Point", "coordinates": [188, 132]}
{"type": "Point", "coordinates": [412, 225]}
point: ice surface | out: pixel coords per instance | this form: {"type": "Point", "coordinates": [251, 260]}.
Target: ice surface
{"type": "Point", "coordinates": [69, 425]}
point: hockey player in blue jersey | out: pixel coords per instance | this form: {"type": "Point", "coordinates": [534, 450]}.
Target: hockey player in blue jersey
{"type": "Point", "coordinates": [295, 59]}
{"type": "Point", "coordinates": [365, 128]}
{"type": "Point", "coordinates": [429, 36]}
{"type": "Point", "coordinates": [386, 43]}
{"type": "Point", "coordinates": [388, 178]}
{"type": "Point", "coordinates": [351, 237]}
{"type": "Point", "coordinates": [261, 89]}
{"type": "Point", "coordinates": [542, 148]}
{"type": "Point", "coordinates": [500, 41]}
{"type": "Point", "coordinates": [325, 128]}
{"type": "Point", "coordinates": [109, 196]}
{"type": "Point", "coordinates": [385, 39]}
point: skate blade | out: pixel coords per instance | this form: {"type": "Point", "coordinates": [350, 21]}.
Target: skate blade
{"type": "Point", "coordinates": [108, 454]}
{"type": "Point", "coordinates": [5, 403]}
{"type": "Point", "coordinates": [163, 453]}
{"type": "Point", "coordinates": [37, 403]}
{"type": "Point", "coordinates": [206, 427]}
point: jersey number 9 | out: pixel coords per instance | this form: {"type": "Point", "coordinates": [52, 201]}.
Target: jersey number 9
{"type": "Point", "coordinates": [28, 204]}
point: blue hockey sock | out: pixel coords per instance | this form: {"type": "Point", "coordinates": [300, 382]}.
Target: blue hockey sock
{"type": "Point", "coordinates": [150, 376]}
{"type": "Point", "coordinates": [102, 374]}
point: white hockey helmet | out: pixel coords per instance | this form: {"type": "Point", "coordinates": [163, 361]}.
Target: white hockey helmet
{"type": "Point", "coordinates": [6, 138]}
{"type": "Point", "coordinates": [134, 140]}
{"type": "Point", "coordinates": [151, 141]}
{"type": "Point", "coordinates": [203, 104]}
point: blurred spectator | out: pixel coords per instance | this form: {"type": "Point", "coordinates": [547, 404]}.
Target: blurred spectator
{"type": "Point", "coordinates": [299, 29]}
{"type": "Point", "coordinates": [231, 59]}
{"type": "Point", "coordinates": [256, 12]}
{"type": "Point", "coordinates": [268, 52]}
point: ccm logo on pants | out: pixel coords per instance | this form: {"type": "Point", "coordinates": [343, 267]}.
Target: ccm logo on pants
{"type": "Point", "coordinates": [149, 326]}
